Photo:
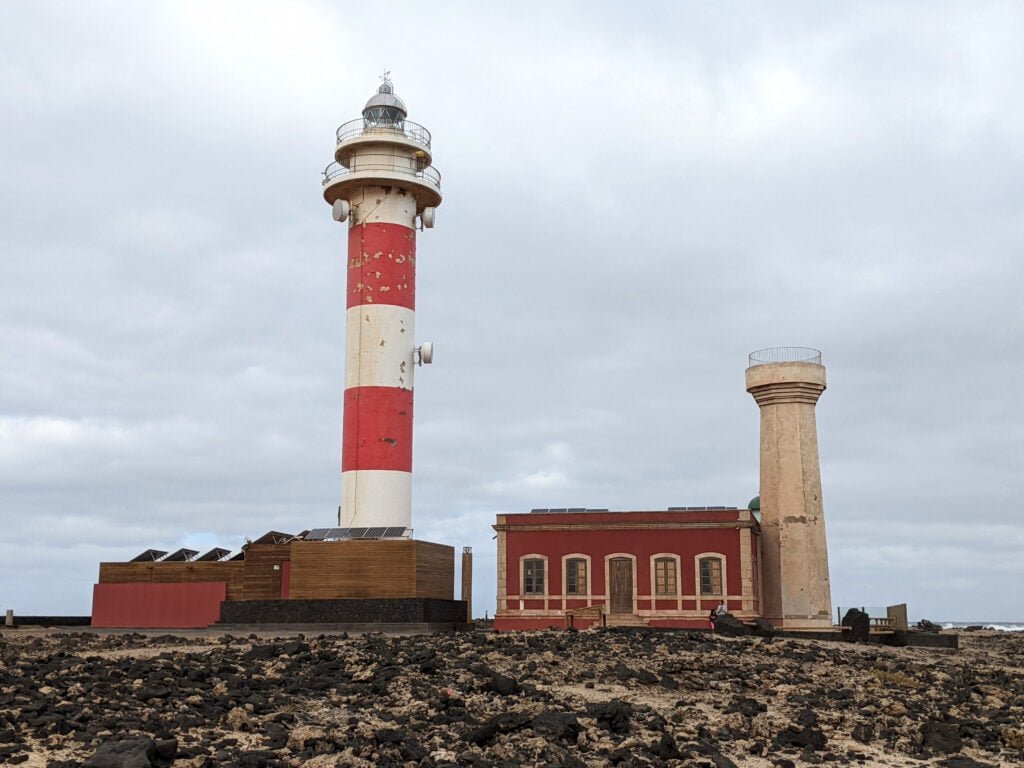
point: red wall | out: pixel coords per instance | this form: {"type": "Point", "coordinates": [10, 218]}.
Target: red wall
{"type": "Point", "coordinates": [643, 543]}
{"type": "Point", "coordinates": [170, 606]}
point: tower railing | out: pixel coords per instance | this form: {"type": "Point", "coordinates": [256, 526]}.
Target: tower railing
{"type": "Point", "coordinates": [363, 126]}
{"type": "Point", "coordinates": [784, 355]}
{"type": "Point", "coordinates": [397, 164]}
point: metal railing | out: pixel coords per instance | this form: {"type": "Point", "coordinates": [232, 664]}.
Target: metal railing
{"type": "Point", "coordinates": [399, 164]}
{"type": "Point", "coordinates": [406, 128]}
{"type": "Point", "coordinates": [785, 355]}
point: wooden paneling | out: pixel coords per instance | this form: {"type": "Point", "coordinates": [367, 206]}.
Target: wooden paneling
{"type": "Point", "coordinates": [230, 573]}
{"type": "Point", "coordinates": [371, 569]}
{"type": "Point", "coordinates": [262, 581]}
{"type": "Point", "coordinates": [435, 570]}
{"type": "Point", "coordinates": [318, 570]}
{"type": "Point", "coordinates": [340, 569]}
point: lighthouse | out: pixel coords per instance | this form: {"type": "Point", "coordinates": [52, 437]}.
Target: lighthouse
{"type": "Point", "coordinates": [382, 184]}
{"type": "Point", "coordinates": [786, 383]}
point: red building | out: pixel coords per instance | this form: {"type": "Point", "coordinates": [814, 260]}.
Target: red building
{"type": "Point", "coordinates": [669, 568]}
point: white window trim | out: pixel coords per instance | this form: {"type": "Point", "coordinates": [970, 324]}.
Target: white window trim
{"type": "Point", "coordinates": [590, 578]}
{"type": "Point", "coordinates": [654, 576]}
{"type": "Point", "coordinates": [716, 598]}
{"type": "Point", "coordinates": [522, 579]}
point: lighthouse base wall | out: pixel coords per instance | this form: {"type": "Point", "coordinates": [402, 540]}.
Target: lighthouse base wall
{"type": "Point", "coordinates": [412, 610]}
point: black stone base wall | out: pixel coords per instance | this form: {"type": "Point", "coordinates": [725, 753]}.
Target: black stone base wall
{"type": "Point", "coordinates": [412, 610]}
{"type": "Point", "coordinates": [49, 621]}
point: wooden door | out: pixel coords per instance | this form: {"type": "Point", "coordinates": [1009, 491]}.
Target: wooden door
{"type": "Point", "coordinates": [621, 577]}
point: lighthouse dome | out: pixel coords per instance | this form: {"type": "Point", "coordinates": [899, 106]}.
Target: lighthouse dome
{"type": "Point", "coordinates": [384, 107]}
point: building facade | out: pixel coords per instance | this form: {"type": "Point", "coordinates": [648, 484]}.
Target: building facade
{"type": "Point", "coordinates": [288, 573]}
{"type": "Point", "coordinates": [559, 568]}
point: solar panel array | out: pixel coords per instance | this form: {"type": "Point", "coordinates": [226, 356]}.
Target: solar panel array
{"type": "Point", "coordinates": [564, 510]}
{"type": "Point", "coordinates": [698, 509]}
{"type": "Point", "coordinates": [342, 534]}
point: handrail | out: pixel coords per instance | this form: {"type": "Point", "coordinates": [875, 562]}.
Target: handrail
{"type": "Point", "coordinates": [363, 126]}
{"type": "Point", "coordinates": [784, 355]}
{"type": "Point", "coordinates": [399, 164]}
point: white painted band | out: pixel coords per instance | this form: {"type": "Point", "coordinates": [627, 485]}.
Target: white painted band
{"type": "Point", "coordinates": [385, 205]}
{"type": "Point", "coordinates": [379, 346]}
{"type": "Point", "coordinates": [372, 498]}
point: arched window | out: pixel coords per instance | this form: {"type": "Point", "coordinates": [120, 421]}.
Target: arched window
{"type": "Point", "coordinates": [576, 576]}
{"type": "Point", "coordinates": [711, 576]}
{"type": "Point", "coordinates": [666, 576]}
{"type": "Point", "coordinates": [533, 576]}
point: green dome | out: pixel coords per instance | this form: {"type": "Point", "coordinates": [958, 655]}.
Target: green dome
{"type": "Point", "coordinates": [754, 505]}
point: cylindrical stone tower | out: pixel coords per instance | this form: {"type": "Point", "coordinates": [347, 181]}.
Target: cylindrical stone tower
{"type": "Point", "coordinates": [382, 183]}
{"type": "Point", "coordinates": [786, 383]}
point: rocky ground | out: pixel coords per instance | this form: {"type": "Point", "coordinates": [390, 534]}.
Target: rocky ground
{"type": "Point", "coordinates": [610, 697]}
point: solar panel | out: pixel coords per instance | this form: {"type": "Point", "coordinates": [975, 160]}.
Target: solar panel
{"type": "Point", "coordinates": [239, 556]}
{"type": "Point", "coordinates": [394, 533]}
{"type": "Point", "coordinates": [273, 537]}
{"type": "Point", "coordinates": [603, 509]}
{"type": "Point", "coordinates": [181, 556]}
{"type": "Point", "coordinates": [538, 511]}
{"type": "Point", "coordinates": [556, 511]}
{"type": "Point", "coordinates": [148, 556]}
{"type": "Point", "coordinates": [577, 509]}
{"type": "Point", "coordinates": [214, 555]}
{"type": "Point", "coordinates": [374, 533]}
{"type": "Point", "coordinates": [318, 534]}
{"type": "Point", "coordinates": [356, 533]}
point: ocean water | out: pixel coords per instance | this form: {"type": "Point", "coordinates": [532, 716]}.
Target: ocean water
{"type": "Point", "coordinates": [1005, 626]}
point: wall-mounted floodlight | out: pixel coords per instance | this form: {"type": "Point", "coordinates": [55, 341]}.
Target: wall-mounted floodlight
{"type": "Point", "coordinates": [425, 353]}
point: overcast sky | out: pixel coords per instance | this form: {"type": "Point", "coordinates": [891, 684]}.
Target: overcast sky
{"type": "Point", "coordinates": [636, 196]}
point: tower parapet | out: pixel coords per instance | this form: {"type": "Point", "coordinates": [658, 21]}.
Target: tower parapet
{"type": "Point", "coordinates": [786, 383]}
{"type": "Point", "coordinates": [380, 148]}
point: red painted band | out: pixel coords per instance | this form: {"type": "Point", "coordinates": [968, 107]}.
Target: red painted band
{"type": "Point", "coordinates": [381, 265]}
{"type": "Point", "coordinates": [377, 431]}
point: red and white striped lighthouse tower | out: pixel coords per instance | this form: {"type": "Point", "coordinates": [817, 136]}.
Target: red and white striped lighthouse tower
{"type": "Point", "coordinates": [383, 185]}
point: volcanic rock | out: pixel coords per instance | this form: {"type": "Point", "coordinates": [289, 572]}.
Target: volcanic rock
{"type": "Point", "coordinates": [860, 625]}
{"type": "Point", "coordinates": [728, 625]}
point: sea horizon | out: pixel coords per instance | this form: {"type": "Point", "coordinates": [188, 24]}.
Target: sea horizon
{"type": "Point", "coordinates": [1002, 626]}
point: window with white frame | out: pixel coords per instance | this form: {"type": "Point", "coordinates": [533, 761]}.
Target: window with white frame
{"type": "Point", "coordinates": [711, 576]}
{"type": "Point", "coordinates": [533, 576]}
{"type": "Point", "coordinates": [666, 578]}
{"type": "Point", "coordinates": [576, 576]}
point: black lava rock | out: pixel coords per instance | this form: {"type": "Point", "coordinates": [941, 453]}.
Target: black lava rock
{"type": "Point", "coordinates": [859, 624]}
{"type": "Point", "coordinates": [941, 737]}
{"type": "Point", "coordinates": [729, 626]}
{"type": "Point", "coordinates": [802, 738]}
{"type": "Point", "coordinates": [556, 725]}
{"type": "Point", "coordinates": [138, 752]}
{"type": "Point", "coordinates": [612, 715]}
